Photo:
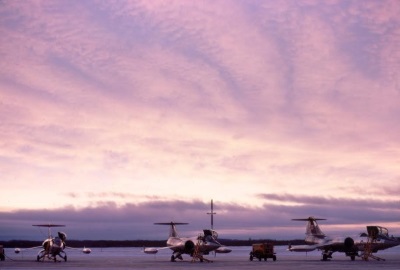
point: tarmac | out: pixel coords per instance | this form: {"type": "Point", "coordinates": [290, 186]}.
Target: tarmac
{"type": "Point", "coordinates": [238, 259]}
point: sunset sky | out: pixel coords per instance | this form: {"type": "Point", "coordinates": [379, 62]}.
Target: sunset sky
{"type": "Point", "coordinates": [118, 114]}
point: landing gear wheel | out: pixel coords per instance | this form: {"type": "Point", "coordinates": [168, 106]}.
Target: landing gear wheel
{"type": "Point", "coordinates": [37, 258]}
{"type": "Point", "coordinates": [172, 258]}
{"type": "Point", "coordinates": [251, 257]}
{"type": "Point", "coordinates": [65, 258]}
{"type": "Point", "coordinates": [274, 258]}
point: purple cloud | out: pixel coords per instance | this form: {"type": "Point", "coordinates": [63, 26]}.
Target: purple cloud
{"type": "Point", "coordinates": [107, 220]}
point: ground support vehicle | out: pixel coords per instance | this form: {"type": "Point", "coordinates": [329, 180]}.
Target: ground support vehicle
{"type": "Point", "coordinates": [263, 251]}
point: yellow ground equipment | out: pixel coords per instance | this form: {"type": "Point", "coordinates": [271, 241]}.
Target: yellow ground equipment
{"type": "Point", "coordinates": [373, 233]}
{"type": "Point", "coordinates": [263, 251]}
{"type": "Point", "coordinates": [196, 254]}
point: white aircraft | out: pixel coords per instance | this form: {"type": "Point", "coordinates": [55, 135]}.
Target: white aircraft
{"type": "Point", "coordinates": [194, 246]}
{"type": "Point", "coordinates": [52, 246]}
{"type": "Point", "coordinates": [376, 239]}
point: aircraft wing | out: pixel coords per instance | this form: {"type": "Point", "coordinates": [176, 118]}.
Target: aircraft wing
{"type": "Point", "coordinates": [84, 249]}
{"type": "Point", "coordinates": [223, 249]}
{"type": "Point", "coordinates": [155, 250]}
{"type": "Point", "coordinates": [308, 248]}
{"type": "Point", "coordinates": [303, 248]}
{"type": "Point", "coordinates": [18, 250]}
{"type": "Point", "coordinates": [181, 247]}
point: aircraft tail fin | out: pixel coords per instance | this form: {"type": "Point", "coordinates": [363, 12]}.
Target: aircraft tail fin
{"type": "Point", "coordinates": [312, 228]}
{"type": "Point", "coordinates": [172, 231]}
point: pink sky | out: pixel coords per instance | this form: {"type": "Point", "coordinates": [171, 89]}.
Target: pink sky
{"type": "Point", "coordinates": [272, 104]}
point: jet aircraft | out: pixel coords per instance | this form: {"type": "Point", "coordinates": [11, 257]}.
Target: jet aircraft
{"type": "Point", "coordinates": [53, 246]}
{"type": "Point", "coordinates": [316, 239]}
{"type": "Point", "coordinates": [193, 246]}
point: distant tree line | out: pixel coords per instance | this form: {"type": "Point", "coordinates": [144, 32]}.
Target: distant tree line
{"type": "Point", "coordinates": [143, 243]}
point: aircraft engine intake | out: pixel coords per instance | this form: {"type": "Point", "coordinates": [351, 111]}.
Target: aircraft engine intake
{"type": "Point", "coordinates": [348, 243]}
{"type": "Point", "coordinates": [189, 246]}
{"type": "Point", "coordinates": [46, 244]}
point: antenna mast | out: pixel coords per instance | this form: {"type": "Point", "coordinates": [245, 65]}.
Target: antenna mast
{"type": "Point", "coordinates": [212, 213]}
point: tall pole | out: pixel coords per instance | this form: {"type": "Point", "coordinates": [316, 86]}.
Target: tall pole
{"type": "Point", "coordinates": [212, 213]}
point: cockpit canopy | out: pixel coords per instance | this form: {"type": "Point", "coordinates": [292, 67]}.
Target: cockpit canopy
{"type": "Point", "coordinates": [377, 231]}
{"type": "Point", "coordinates": [212, 233]}
{"type": "Point", "coordinates": [62, 235]}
